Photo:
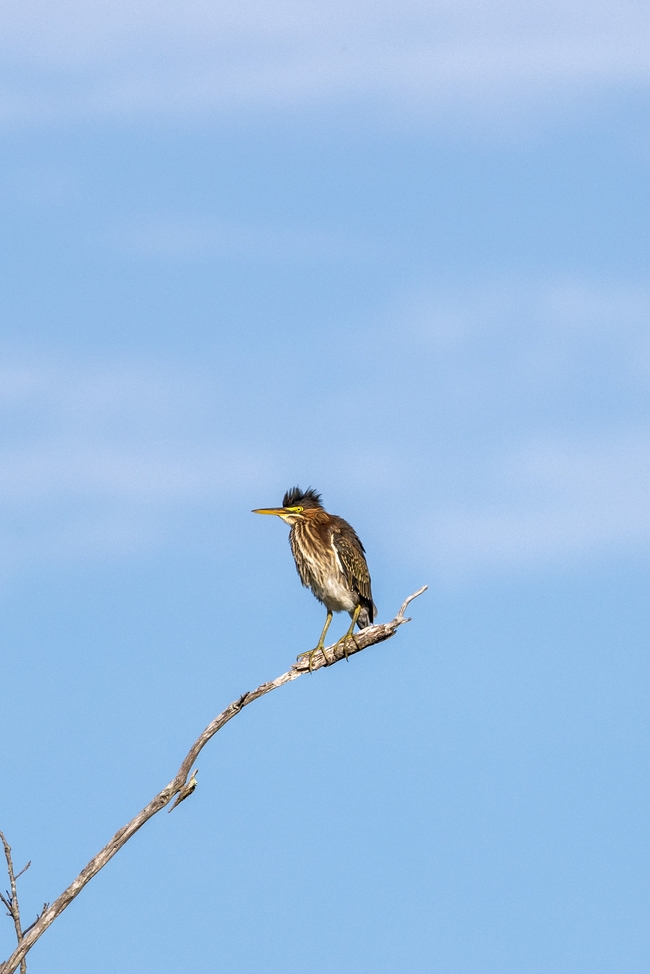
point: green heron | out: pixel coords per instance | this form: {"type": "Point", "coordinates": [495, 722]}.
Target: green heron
{"type": "Point", "coordinates": [330, 560]}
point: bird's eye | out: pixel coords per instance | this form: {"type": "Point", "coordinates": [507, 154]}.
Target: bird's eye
{"type": "Point", "coordinates": [296, 510]}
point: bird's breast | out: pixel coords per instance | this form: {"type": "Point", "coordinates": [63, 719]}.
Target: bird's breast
{"type": "Point", "coordinates": [321, 571]}
{"type": "Point", "coordinates": [335, 594]}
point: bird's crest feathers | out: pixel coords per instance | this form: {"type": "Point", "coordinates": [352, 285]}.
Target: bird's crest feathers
{"type": "Point", "coordinates": [302, 498]}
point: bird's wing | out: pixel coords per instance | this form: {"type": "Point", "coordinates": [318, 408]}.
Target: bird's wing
{"type": "Point", "coordinates": [350, 552]}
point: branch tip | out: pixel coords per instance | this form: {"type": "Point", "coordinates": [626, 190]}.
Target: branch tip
{"type": "Point", "coordinates": [400, 614]}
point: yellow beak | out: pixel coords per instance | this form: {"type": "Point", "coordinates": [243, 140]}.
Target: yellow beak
{"type": "Point", "coordinates": [269, 510]}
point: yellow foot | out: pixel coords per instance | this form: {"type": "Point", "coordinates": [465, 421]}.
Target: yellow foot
{"type": "Point", "coordinates": [311, 654]}
{"type": "Point", "coordinates": [344, 642]}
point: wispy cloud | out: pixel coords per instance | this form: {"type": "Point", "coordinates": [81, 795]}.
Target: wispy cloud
{"type": "Point", "coordinates": [192, 239]}
{"type": "Point", "coordinates": [540, 438]}
{"type": "Point", "coordinates": [520, 410]}
{"type": "Point", "coordinates": [553, 502]}
{"type": "Point", "coordinates": [77, 60]}
{"type": "Point", "coordinates": [94, 458]}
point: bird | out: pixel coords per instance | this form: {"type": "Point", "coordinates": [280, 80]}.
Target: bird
{"type": "Point", "coordinates": [330, 560]}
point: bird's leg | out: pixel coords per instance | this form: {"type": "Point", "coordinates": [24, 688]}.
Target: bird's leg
{"type": "Point", "coordinates": [344, 639]}
{"type": "Point", "coordinates": [320, 645]}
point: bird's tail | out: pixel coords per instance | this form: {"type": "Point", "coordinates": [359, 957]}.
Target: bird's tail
{"type": "Point", "coordinates": [367, 615]}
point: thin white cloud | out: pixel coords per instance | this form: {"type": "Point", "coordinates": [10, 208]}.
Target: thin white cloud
{"type": "Point", "coordinates": [191, 239]}
{"type": "Point", "coordinates": [557, 502]}
{"type": "Point", "coordinates": [80, 60]}
{"type": "Point", "coordinates": [541, 436]}
{"type": "Point", "coordinates": [517, 409]}
{"type": "Point", "coordinates": [94, 458]}
{"type": "Point", "coordinates": [116, 431]}
{"type": "Point", "coordinates": [66, 467]}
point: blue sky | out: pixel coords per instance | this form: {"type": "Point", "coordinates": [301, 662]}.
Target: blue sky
{"type": "Point", "coordinates": [398, 252]}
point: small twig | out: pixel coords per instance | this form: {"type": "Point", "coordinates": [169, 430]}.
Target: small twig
{"type": "Point", "coordinates": [400, 614]}
{"type": "Point", "coordinates": [327, 657]}
{"type": "Point", "coordinates": [185, 791]}
{"type": "Point", "coordinates": [13, 909]}
{"type": "Point", "coordinates": [38, 917]}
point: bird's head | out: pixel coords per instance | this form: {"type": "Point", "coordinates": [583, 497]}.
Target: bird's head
{"type": "Point", "coordinates": [297, 505]}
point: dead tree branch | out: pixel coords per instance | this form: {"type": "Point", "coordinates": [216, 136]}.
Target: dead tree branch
{"type": "Point", "coordinates": [327, 657]}
{"type": "Point", "coordinates": [11, 900]}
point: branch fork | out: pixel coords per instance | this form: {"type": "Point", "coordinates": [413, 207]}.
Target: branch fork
{"type": "Point", "coordinates": [11, 899]}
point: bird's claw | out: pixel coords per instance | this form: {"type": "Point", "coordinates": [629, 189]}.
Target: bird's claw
{"type": "Point", "coordinates": [344, 642]}
{"type": "Point", "coordinates": [311, 653]}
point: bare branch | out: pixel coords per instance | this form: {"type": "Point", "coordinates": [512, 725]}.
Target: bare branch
{"type": "Point", "coordinates": [327, 657]}
{"type": "Point", "coordinates": [13, 909]}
